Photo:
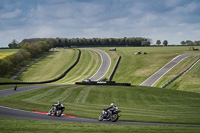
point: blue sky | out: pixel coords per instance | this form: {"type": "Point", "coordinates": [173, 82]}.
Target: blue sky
{"type": "Point", "coordinates": [172, 20]}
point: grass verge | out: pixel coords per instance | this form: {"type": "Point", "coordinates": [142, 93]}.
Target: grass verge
{"type": "Point", "coordinates": [19, 125]}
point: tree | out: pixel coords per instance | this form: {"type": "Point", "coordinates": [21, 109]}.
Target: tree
{"type": "Point", "coordinates": [189, 43]}
{"type": "Point", "coordinates": [183, 43]}
{"type": "Point", "coordinates": [165, 42]}
{"type": "Point", "coordinates": [158, 42]}
{"type": "Point", "coordinates": [13, 44]}
{"type": "Point", "coordinates": [145, 43]}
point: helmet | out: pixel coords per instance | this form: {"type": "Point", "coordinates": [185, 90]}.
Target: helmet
{"type": "Point", "coordinates": [111, 104]}
{"type": "Point", "coordinates": [59, 102]}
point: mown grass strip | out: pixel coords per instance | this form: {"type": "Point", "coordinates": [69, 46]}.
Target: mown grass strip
{"type": "Point", "coordinates": [50, 67]}
{"type": "Point", "coordinates": [87, 66]}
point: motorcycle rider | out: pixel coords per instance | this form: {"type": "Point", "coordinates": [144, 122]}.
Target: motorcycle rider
{"type": "Point", "coordinates": [58, 105]}
{"type": "Point", "coordinates": [112, 108]}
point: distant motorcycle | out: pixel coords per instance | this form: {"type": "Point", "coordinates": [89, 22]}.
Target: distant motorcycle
{"type": "Point", "coordinates": [56, 110]}
{"type": "Point", "coordinates": [113, 115]}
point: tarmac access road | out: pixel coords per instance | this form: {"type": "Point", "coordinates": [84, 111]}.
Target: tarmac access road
{"type": "Point", "coordinates": [160, 73]}
{"type": "Point", "coordinates": [105, 65]}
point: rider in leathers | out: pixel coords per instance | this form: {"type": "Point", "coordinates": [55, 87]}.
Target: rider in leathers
{"type": "Point", "coordinates": [112, 108]}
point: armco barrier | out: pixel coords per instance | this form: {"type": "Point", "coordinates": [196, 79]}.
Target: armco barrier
{"type": "Point", "coordinates": [48, 81]}
{"type": "Point", "coordinates": [180, 74]}
{"type": "Point", "coordinates": [115, 68]}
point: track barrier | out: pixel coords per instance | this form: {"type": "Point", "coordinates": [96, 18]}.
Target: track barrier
{"type": "Point", "coordinates": [115, 68]}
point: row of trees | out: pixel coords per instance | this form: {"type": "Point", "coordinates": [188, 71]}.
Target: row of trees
{"type": "Point", "coordinates": [190, 43]}
{"type": "Point", "coordinates": [93, 42]}
{"type": "Point", "coordinates": [28, 50]}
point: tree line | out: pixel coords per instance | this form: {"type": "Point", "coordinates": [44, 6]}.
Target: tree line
{"type": "Point", "coordinates": [184, 43]}
{"type": "Point", "coordinates": [28, 50]}
{"type": "Point", "coordinates": [190, 43]}
{"type": "Point", "coordinates": [94, 42]}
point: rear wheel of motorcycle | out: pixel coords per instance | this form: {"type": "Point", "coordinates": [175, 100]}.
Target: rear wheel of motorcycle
{"type": "Point", "coordinates": [100, 118]}
{"type": "Point", "coordinates": [114, 118]}
{"type": "Point", "coordinates": [58, 113]}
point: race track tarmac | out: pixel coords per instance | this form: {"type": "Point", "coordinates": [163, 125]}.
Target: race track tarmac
{"type": "Point", "coordinates": [105, 65]}
{"type": "Point", "coordinates": [157, 75]}
{"type": "Point", "coordinates": [15, 113]}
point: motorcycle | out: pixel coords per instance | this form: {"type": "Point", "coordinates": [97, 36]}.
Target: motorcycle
{"type": "Point", "coordinates": [56, 110]}
{"type": "Point", "coordinates": [113, 115]}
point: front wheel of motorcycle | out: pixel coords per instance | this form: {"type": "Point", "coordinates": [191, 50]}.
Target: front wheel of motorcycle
{"type": "Point", "coordinates": [114, 117]}
{"type": "Point", "coordinates": [49, 113]}
{"type": "Point", "coordinates": [100, 118]}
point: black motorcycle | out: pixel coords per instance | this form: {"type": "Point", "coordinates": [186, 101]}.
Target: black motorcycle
{"type": "Point", "coordinates": [109, 115]}
{"type": "Point", "coordinates": [56, 110]}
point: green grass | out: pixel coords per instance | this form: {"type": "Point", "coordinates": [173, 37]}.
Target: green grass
{"type": "Point", "coordinates": [135, 69]}
{"type": "Point", "coordinates": [190, 81]}
{"type": "Point", "coordinates": [18, 125]}
{"type": "Point", "coordinates": [50, 67]}
{"type": "Point", "coordinates": [182, 66]}
{"type": "Point", "coordinates": [143, 104]}
{"type": "Point", "coordinates": [6, 52]}
{"type": "Point", "coordinates": [88, 65]}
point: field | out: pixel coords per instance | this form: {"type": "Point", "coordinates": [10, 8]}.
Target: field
{"type": "Point", "coordinates": [6, 52]}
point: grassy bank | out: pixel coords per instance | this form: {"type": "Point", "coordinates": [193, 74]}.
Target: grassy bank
{"type": "Point", "coordinates": [143, 104]}
{"type": "Point", "coordinates": [188, 81]}
{"type": "Point", "coordinates": [135, 69]}
{"type": "Point", "coordinates": [50, 67]}
{"type": "Point", "coordinates": [19, 125]}
{"type": "Point", "coordinates": [88, 65]}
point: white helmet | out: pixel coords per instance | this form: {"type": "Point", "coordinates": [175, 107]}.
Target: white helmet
{"type": "Point", "coordinates": [111, 104]}
{"type": "Point", "coordinates": [59, 102]}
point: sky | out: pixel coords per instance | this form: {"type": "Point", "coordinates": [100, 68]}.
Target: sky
{"type": "Point", "coordinates": [172, 20]}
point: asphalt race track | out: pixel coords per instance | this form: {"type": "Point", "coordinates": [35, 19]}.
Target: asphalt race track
{"type": "Point", "coordinates": [15, 113]}
{"type": "Point", "coordinates": [105, 65]}
{"type": "Point", "coordinates": [157, 75]}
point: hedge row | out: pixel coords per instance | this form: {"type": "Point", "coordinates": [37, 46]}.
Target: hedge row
{"type": "Point", "coordinates": [28, 50]}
